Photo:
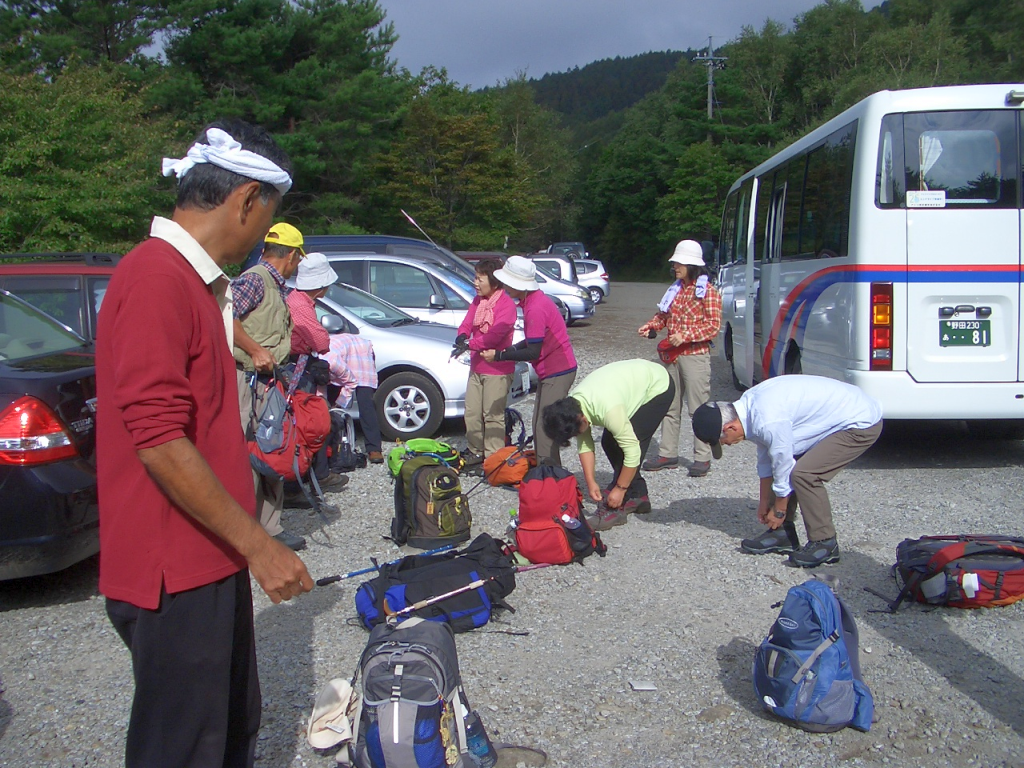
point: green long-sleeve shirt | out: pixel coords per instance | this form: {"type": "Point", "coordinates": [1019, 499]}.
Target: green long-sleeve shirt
{"type": "Point", "coordinates": [611, 395]}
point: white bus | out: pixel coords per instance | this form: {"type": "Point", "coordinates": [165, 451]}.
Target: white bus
{"type": "Point", "coordinates": [884, 249]}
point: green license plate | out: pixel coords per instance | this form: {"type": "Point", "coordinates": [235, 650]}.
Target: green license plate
{"type": "Point", "coordinates": [965, 333]}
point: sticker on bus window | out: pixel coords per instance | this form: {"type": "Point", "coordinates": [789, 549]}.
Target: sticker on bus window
{"type": "Point", "coordinates": [926, 199]}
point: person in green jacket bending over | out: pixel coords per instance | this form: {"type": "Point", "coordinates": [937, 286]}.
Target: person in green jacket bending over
{"type": "Point", "coordinates": [629, 399]}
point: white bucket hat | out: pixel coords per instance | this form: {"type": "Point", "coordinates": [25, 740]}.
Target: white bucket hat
{"type": "Point", "coordinates": [688, 252]}
{"type": "Point", "coordinates": [519, 273]}
{"type": "Point", "coordinates": [330, 723]}
{"type": "Point", "coordinates": [315, 272]}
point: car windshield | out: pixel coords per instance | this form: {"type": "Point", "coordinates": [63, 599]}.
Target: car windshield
{"type": "Point", "coordinates": [369, 308]}
{"type": "Point", "coordinates": [26, 332]}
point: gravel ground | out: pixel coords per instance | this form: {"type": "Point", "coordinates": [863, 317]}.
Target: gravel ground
{"type": "Point", "coordinates": [674, 602]}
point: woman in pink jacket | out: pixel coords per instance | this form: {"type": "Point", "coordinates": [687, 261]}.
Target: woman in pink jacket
{"type": "Point", "coordinates": [488, 325]}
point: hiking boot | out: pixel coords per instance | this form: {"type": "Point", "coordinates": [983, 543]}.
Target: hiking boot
{"type": "Point", "coordinates": [376, 457]}
{"type": "Point", "coordinates": [815, 553]}
{"type": "Point", "coordinates": [641, 505]}
{"type": "Point", "coordinates": [291, 541]}
{"type": "Point", "coordinates": [699, 468]}
{"type": "Point", "coordinates": [606, 518]}
{"type": "Point", "coordinates": [471, 459]}
{"type": "Point", "coordinates": [662, 462]}
{"type": "Point", "coordinates": [782, 539]}
{"type": "Point", "coordinates": [333, 482]}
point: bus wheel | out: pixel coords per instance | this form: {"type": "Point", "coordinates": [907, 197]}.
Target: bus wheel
{"type": "Point", "coordinates": [793, 361]}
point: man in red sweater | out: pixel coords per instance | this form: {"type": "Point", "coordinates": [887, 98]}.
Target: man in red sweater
{"type": "Point", "coordinates": [177, 528]}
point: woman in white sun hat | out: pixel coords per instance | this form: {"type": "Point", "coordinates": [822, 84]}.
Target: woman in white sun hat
{"type": "Point", "coordinates": [691, 311]}
{"type": "Point", "coordinates": [546, 345]}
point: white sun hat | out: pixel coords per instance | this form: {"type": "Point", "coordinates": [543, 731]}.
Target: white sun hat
{"type": "Point", "coordinates": [688, 252]}
{"type": "Point", "coordinates": [519, 273]}
{"type": "Point", "coordinates": [315, 272]}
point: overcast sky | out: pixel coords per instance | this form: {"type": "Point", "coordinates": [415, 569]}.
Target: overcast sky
{"type": "Point", "coordinates": [483, 42]}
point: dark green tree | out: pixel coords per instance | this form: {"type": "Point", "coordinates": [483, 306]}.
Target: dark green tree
{"type": "Point", "coordinates": [316, 73]}
{"type": "Point", "coordinates": [450, 169]}
{"type": "Point", "coordinates": [44, 35]}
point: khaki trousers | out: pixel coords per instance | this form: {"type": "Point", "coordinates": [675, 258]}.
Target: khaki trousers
{"type": "Point", "coordinates": [549, 391]}
{"type": "Point", "coordinates": [815, 468]}
{"type": "Point", "coordinates": [691, 375]}
{"type": "Point", "coordinates": [269, 493]}
{"type": "Point", "coordinates": [485, 412]}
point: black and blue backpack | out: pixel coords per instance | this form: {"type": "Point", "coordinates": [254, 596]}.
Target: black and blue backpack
{"type": "Point", "coordinates": [807, 670]}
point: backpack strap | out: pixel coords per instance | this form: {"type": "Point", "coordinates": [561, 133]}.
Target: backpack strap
{"type": "Point", "coordinates": [823, 646]}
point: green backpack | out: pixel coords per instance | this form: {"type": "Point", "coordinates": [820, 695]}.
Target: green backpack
{"type": "Point", "coordinates": [422, 446]}
{"type": "Point", "coordinates": [430, 508]}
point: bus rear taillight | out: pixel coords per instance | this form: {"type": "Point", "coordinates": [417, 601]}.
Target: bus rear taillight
{"type": "Point", "coordinates": [881, 326]}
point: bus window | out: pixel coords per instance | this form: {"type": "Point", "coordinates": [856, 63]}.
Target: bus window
{"type": "Point", "coordinates": [825, 212]}
{"type": "Point", "coordinates": [889, 189]}
{"type": "Point", "coordinates": [743, 220]}
{"type": "Point", "coordinates": [961, 158]}
{"type": "Point", "coordinates": [789, 247]}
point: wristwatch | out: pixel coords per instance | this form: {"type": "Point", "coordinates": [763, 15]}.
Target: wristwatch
{"type": "Point", "coordinates": [780, 514]}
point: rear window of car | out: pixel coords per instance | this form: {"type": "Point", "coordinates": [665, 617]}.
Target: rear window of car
{"type": "Point", "coordinates": [25, 332]}
{"type": "Point", "coordinates": [59, 296]}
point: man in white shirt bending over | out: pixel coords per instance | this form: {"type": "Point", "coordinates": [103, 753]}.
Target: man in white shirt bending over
{"type": "Point", "coordinates": [806, 429]}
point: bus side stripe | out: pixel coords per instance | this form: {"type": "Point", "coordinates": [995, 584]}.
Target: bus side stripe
{"type": "Point", "coordinates": [792, 315]}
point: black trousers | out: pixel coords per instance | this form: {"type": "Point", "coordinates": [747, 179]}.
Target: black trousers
{"type": "Point", "coordinates": [645, 423]}
{"type": "Point", "coordinates": [368, 418]}
{"type": "Point", "coordinates": [197, 692]}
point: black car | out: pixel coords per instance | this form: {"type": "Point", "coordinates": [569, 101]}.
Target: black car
{"type": "Point", "coordinates": [49, 516]}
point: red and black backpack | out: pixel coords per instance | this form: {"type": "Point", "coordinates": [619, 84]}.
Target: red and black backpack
{"type": "Point", "coordinates": [551, 526]}
{"type": "Point", "coordinates": [966, 571]}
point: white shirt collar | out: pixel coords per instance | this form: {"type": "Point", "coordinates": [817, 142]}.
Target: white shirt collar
{"type": "Point", "coordinates": [208, 270]}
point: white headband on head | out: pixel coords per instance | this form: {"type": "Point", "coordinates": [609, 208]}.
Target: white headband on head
{"type": "Point", "coordinates": [224, 152]}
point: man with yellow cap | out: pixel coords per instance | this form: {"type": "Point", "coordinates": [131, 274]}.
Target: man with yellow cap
{"type": "Point", "coordinates": [263, 340]}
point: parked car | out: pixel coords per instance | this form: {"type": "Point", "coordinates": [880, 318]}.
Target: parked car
{"type": "Point", "coordinates": [556, 265]}
{"type": "Point", "coordinates": [576, 300]}
{"type": "Point", "coordinates": [423, 289]}
{"type": "Point", "coordinates": [391, 245]}
{"type": "Point", "coordinates": [419, 382]}
{"type": "Point", "coordinates": [47, 443]}
{"type": "Point", "coordinates": [594, 277]}
{"type": "Point", "coordinates": [574, 250]}
{"type": "Point", "coordinates": [69, 287]}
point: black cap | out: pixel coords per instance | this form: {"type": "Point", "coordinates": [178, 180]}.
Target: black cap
{"type": "Point", "coordinates": [707, 427]}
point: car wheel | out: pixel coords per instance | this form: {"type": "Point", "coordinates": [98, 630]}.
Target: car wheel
{"type": "Point", "coordinates": [408, 405]}
{"type": "Point", "coordinates": [566, 315]}
{"type": "Point", "coordinates": [596, 294]}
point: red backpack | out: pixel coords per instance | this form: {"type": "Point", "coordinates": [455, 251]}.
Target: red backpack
{"type": "Point", "coordinates": [551, 526]}
{"type": "Point", "coordinates": [292, 427]}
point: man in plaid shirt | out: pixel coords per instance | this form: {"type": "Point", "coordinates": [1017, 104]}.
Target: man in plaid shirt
{"type": "Point", "coordinates": [691, 311]}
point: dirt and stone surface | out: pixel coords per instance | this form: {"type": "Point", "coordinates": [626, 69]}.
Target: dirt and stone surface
{"type": "Point", "coordinates": [674, 603]}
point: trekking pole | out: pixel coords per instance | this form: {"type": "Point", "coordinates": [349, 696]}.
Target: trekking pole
{"type": "Point", "coordinates": [332, 579]}
{"type": "Point", "coordinates": [428, 601]}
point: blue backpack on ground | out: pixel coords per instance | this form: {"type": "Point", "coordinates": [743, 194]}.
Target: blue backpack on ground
{"type": "Point", "coordinates": [807, 670]}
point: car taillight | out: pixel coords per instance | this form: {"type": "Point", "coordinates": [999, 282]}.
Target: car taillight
{"type": "Point", "coordinates": [881, 326]}
{"type": "Point", "coordinates": [31, 433]}
{"type": "Point", "coordinates": [605, 276]}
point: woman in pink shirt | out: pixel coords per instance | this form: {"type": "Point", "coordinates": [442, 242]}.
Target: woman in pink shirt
{"type": "Point", "coordinates": [488, 325]}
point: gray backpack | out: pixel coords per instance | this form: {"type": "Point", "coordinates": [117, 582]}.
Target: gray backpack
{"type": "Point", "coordinates": [412, 699]}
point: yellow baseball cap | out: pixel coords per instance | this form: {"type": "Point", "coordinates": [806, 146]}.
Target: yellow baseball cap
{"type": "Point", "coordinates": [285, 234]}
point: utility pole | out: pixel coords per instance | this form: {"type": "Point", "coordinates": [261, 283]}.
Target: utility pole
{"type": "Point", "coordinates": [712, 63]}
